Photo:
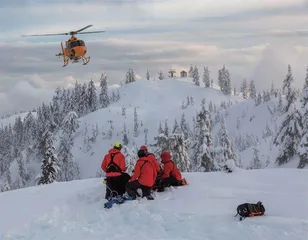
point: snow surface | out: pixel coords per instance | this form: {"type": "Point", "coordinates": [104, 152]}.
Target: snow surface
{"type": "Point", "coordinates": [202, 210]}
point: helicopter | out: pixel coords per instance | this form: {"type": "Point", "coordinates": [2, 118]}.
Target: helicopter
{"type": "Point", "coordinates": [75, 49]}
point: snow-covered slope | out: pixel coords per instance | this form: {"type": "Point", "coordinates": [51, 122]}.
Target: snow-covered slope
{"type": "Point", "coordinates": [250, 127]}
{"type": "Point", "coordinates": [202, 210]}
{"type": "Point", "coordinates": [155, 102]}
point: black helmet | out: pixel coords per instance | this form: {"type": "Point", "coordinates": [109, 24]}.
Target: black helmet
{"type": "Point", "coordinates": [141, 153]}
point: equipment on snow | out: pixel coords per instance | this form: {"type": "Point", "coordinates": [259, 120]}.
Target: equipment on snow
{"type": "Point", "coordinates": [117, 200]}
{"type": "Point", "coordinates": [250, 210]}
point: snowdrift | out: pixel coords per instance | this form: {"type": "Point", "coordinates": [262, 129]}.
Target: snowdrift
{"type": "Point", "coordinates": [202, 210]}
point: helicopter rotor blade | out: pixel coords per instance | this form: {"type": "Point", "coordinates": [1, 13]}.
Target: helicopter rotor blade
{"type": "Point", "coordinates": [48, 34]}
{"type": "Point", "coordinates": [91, 32]}
{"type": "Point", "coordinates": [83, 28]}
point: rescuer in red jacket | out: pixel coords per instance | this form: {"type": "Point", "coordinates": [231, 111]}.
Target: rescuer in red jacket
{"type": "Point", "coordinates": [144, 177]}
{"type": "Point", "coordinates": [114, 166]}
{"type": "Point", "coordinates": [152, 158]}
{"type": "Point", "coordinates": [171, 175]}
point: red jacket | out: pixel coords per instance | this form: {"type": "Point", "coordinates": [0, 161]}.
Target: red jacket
{"type": "Point", "coordinates": [118, 159]}
{"type": "Point", "coordinates": [144, 172]}
{"type": "Point", "coordinates": [154, 162]}
{"type": "Point", "coordinates": [170, 168]}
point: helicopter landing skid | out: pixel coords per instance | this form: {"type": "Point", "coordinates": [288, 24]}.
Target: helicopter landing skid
{"type": "Point", "coordinates": [86, 60]}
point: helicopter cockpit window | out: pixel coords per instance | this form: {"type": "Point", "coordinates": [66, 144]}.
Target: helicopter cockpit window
{"type": "Point", "coordinates": [76, 44]}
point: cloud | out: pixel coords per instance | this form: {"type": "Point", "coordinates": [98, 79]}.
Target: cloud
{"type": "Point", "coordinates": [155, 35]}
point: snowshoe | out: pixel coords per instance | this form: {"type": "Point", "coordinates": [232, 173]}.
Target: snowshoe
{"type": "Point", "coordinates": [117, 200]}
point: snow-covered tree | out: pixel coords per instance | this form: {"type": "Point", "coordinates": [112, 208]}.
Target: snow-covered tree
{"type": "Point", "coordinates": [125, 138]}
{"type": "Point", "coordinates": [206, 77]}
{"type": "Point", "coordinates": [252, 90]}
{"type": "Point", "coordinates": [289, 89]}
{"type": "Point", "coordinates": [190, 72]}
{"type": "Point", "coordinates": [196, 76]}
{"type": "Point", "coordinates": [160, 75]}
{"type": "Point", "coordinates": [289, 135]}
{"type": "Point", "coordinates": [202, 142]}
{"type": "Point", "coordinates": [50, 166]}
{"type": "Point", "coordinates": [148, 75]}
{"type": "Point", "coordinates": [103, 96]}
{"type": "Point", "coordinates": [69, 168]}
{"type": "Point", "coordinates": [146, 131]}
{"type": "Point", "coordinates": [130, 76]}
{"type": "Point", "coordinates": [136, 123]}
{"type": "Point", "coordinates": [303, 147]}
{"type": "Point", "coordinates": [92, 97]}
{"type": "Point", "coordinates": [244, 89]}
{"type": "Point", "coordinates": [256, 163]}
{"type": "Point", "coordinates": [225, 148]}
{"type": "Point", "coordinates": [179, 149]}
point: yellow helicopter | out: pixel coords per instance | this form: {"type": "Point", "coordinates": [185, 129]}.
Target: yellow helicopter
{"type": "Point", "coordinates": [75, 49]}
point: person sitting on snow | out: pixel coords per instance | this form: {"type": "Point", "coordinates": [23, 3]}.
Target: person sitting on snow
{"type": "Point", "coordinates": [143, 177]}
{"type": "Point", "coordinates": [114, 166]}
{"type": "Point", "coordinates": [171, 175]}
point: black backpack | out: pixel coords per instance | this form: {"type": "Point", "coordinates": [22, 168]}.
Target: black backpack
{"type": "Point", "coordinates": [250, 210]}
{"type": "Point", "coordinates": [112, 166]}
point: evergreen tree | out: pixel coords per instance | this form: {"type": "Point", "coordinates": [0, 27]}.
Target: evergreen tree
{"type": "Point", "coordinates": [160, 75]}
{"type": "Point", "coordinates": [123, 111]}
{"type": "Point", "coordinates": [130, 76]}
{"type": "Point", "coordinates": [191, 71]}
{"type": "Point", "coordinates": [136, 123]}
{"type": "Point", "coordinates": [125, 138]}
{"type": "Point", "coordinates": [272, 89]}
{"type": "Point", "coordinates": [50, 167]}
{"type": "Point", "coordinates": [196, 77]}
{"type": "Point", "coordinates": [179, 148]}
{"type": "Point", "coordinates": [225, 149]}
{"type": "Point", "coordinates": [166, 131]}
{"type": "Point", "coordinates": [92, 98]}
{"type": "Point", "coordinates": [206, 77]}
{"type": "Point", "coordinates": [103, 96]}
{"type": "Point", "coordinates": [244, 89]}
{"type": "Point", "coordinates": [306, 80]}
{"type": "Point", "coordinates": [252, 90]}
{"type": "Point", "coordinates": [185, 127]}
{"type": "Point", "coordinates": [256, 163]}
{"type": "Point", "coordinates": [202, 142]}
{"type": "Point", "coordinates": [227, 83]}
{"type": "Point", "coordinates": [303, 147]}
{"type": "Point", "coordinates": [70, 169]}
{"type": "Point", "coordinates": [288, 88]}
{"type": "Point", "coordinates": [161, 142]}
{"type": "Point", "coordinates": [148, 75]}
{"type": "Point", "coordinates": [146, 136]}
{"type": "Point", "coordinates": [289, 135]}
{"type": "Point", "coordinates": [259, 99]}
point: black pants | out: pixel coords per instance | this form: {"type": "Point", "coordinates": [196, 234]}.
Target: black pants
{"type": "Point", "coordinates": [132, 187]}
{"type": "Point", "coordinates": [116, 185]}
{"type": "Point", "coordinates": [170, 181]}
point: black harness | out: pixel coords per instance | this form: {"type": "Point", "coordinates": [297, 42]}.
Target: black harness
{"type": "Point", "coordinates": [112, 166]}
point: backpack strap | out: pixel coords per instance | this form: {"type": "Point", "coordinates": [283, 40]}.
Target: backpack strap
{"type": "Point", "coordinates": [112, 166]}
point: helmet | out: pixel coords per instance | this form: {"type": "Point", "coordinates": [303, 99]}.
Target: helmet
{"type": "Point", "coordinates": [117, 145]}
{"type": "Point", "coordinates": [141, 153]}
{"type": "Point", "coordinates": [143, 147]}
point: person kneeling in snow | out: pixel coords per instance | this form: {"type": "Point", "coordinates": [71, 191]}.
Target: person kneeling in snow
{"type": "Point", "coordinates": [152, 158]}
{"type": "Point", "coordinates": [144, 177]}
{"type": "Point", "coordinates": [171, 175]}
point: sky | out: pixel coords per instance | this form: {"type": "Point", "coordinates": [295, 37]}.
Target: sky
{"type": "Point", "coordinates": [254, 39]}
